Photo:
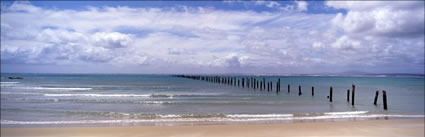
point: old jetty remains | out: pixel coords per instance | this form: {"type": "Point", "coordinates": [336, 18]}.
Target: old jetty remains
{"type": "Point", "coordinates": [256, 82]}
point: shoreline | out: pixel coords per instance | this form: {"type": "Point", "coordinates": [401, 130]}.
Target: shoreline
{"type": "Point", "coordinates": [399, 127]}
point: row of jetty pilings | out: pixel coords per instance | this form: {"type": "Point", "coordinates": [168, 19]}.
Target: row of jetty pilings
{"type": "Point", "coordinates": [254, 83]}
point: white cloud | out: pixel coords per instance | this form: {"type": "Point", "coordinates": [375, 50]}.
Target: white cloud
{"type": "Point", "coordinates": [380, 18]}
{"type": "Point", "coordinates": [298, 6]}
{"type": "Point", "coordinates": [317, 45]}
{"type": "Point", "coordinates": [199, 39]}
{"type": "Point", "coordinates": [111, 40]}
{"type": "Point", "coordinates": [346, 44]}
{"type": "Point", "coordinates": [302, 5]}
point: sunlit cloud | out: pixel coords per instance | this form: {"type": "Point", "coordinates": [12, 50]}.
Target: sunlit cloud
{"type": "Point", "coordinates": [190, 39]}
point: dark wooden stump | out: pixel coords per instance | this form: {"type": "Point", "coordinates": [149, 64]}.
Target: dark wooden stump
{"type": "Point", "coordinates": [353, 90]}
{"type": "Point", "coordinates": [384, 98]}
{"type": "Point", "coordinates": [289, 88]}
{"type": "Point", "coordinates": [312, 91]}
{"type": "Point", "coordinates": [348, 95]}
{"type": "Point", "coordinates": [299, 90]}
{"type": "Point", "coordinates": [330, 94]}
{"type": "Point", "coordinates": [376, 97]}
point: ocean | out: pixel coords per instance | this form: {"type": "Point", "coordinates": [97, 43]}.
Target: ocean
{"type": "Point", "coordinates": [64, 100]}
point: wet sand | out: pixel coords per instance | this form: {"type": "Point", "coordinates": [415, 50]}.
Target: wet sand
{"type": "Point", "coordinates": [369, 128]}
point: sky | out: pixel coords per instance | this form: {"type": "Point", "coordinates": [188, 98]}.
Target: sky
{"type": "Point", "coordinates": [210, 37]}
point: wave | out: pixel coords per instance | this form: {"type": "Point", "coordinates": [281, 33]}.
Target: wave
{"type": "Point", "coordinates": [109, 95]}
{"type": "Point", "coordinates": [131, 95]}
{"type": "Point", "coordinates": [51, 88]}
{"type": "Point", "coordinates": [98, 95]}
{"type": "Point", "coordinates": [59, 98]}
{"type": "Point", "coordinates": [178, 118]}
{"type": "Point", "coordinates": [20, 93]}
{"type": "Point", "coordinates": [346, 113]}
{"type": "Point", "coordinates": [9, 82]}
{"type": "Point", "coordinates": [259, 115]}
{"type": "Point", "coordinates": [12, 84]}
{"type": "Point", "coordinates": [55, 88]}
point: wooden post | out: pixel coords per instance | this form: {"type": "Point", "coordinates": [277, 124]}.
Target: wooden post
{"type": "Point", "coordinates": [228, 79]}
{"type": "Point", "coordinates": [312, 91]}
{"type": "Point", "coordinates": [352, 94]}
{"type": "Point", "coordinates": [348, 95]}
{"type": "Point", "coordinates": [376, 97]}
{"type": "Point", "coordinates": [261, 85]}
{"type": "Point", "coordinates": [257, 83]}
{"type": "Point", "coordinates": [264, 83]}
{"type": "Point", "coordinates": [268, 86]}
{"type": "Point", "coordinates": [254, 85]}
{"type": "Point", "coordinates": [277, 87]}
{"type": "Point", "coordinates": [279, 84]}
{"type": "Point", "coordinates": [299, 90]}
{"type": "Point", "coordinates": [384, 98]}
{"type": "Point", "coordinates": [243, 82]}
{"type": "Point", "coordinates": [238, 82]}
{"type": "Point", "coordinates": [330, 94]}
{"type": "Point", "coordinates": [271, 85]}
{"type": "Point", "coordinates": [246, 82]}
{"type": "Point", "coordinates": [289, 89]}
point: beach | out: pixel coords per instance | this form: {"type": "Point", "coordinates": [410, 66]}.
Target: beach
{"type": "Point", "coordinates": [368, 128]}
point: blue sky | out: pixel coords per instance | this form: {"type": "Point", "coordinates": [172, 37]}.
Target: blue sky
{"type": "Point", "coordinates": [273, 37]}
{"type": "Point", "coordinates": [313, 6]}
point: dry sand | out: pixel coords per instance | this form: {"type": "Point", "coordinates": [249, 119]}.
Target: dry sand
{"type": "Point", "coordinates": [370, 128]}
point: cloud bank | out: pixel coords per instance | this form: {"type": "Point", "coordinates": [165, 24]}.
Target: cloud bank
{"type": "Point", "coordinates": [380, 37]}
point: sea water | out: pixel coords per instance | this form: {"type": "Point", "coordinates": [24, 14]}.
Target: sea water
{"type": "Point", "coordinates": [130, 99]}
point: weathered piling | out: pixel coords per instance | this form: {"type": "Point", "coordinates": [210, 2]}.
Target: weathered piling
{"type": "Point", "coordinates": [277, 87]}
{"type": "Point", "coordinates": [243, 82]}
{"type": "Point", "coordinates": [261, 85]}
{"type": "Point", "coordinates": [376, 97]}
{"type": "Point", "coordinates": [289, 88]}
{"type": "Point", "coordinates": [312, 91]}
{"type": "Point", "coordinates": [271, 85]}
{"type": "Point", "coordinates": [352, 94]}
{"type": "Point", "coordinates": [348, 95]}
{"type": "Point", "coordinates": [330, 94]}
{"type": "Point", "coordinates": [247, 82]}
{"type": "Point", "coordinates": [264, 83]}
{"type": "Point", "coordinates": [238, 82]}
{"type": "Point", "coordinates": [384, 98]}
{"type": "Point", "coordinates": [299, 90]}
{"type": "Point", "coordinates": [279, 83]}
{"type": "Point", "coordinates": [268, 86]}
{"type": "Point", "coordinates": [254, 83]}
{"type": "Point", "coordinates": [227, 80]}
{"type": "Point", "coordinates": [257, 83]}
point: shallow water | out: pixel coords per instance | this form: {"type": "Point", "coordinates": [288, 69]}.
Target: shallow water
{"type": "Point", "coordinates": [118, 99]}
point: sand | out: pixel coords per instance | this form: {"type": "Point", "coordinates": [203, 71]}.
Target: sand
{"type": "Point", "coordinates": [370, 128]}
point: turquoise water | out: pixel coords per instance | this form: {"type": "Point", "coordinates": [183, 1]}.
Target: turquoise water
{"type": "Point", "coordinates": [118, 99]}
